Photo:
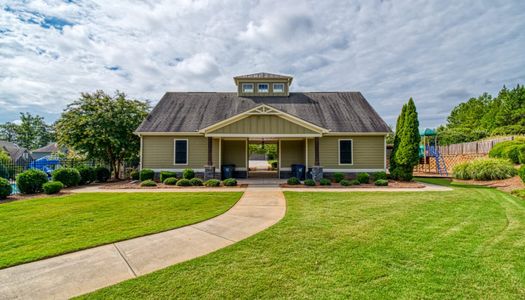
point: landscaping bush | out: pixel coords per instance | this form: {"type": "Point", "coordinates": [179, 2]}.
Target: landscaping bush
{"type": "Point", "coordinates": [212, 183]}
{"type": "Point", "coordinates": [148, 182]}
{"type": "Point", "coordinates": [188, 174]}
{"type": "Point", "coordinates": [184, 182]}
{"type": "Point", "coordinates": [325, 181]}
{"type": "Point", "coordinates": [147, 174]}
{"type": "Point", "coordinates": [196, 182]}
{"type": "Point", "coordinates": [380, 175]}
{"type": "Point", "coordinates": [381, 182]}
{"type": "Point", "coordinates": [52, 187]}
{"type": "Point", "coordinates": [170, 181]}
{"type": "Point", "coordinates": [274, 164]}
{"type": "Point", "coordinates": [87, 175]}
{"type": "Point", "coordinates": [230, 182]}
{"type": "Point", "coordinates": [355, 182]}
{"type": "Point", "coordinates": [338, 177]}
{"type": "Point", "coordinates": [485, 169]}
{"type": "Point", "coordinates": [309, 182]}
{"type": "Point", "coordinates": [103, 174]}
{"type": "Point", "coordinates": [461, 171]}
{"type": "Point", "coordinates": [135, 175]}
{"type": "Point", "coordinates": [167, 174]}
{"type": "Point", "coordinates": [68, 176]}
{"type": "Point", "coordinates": [363, 178]}
{"type": "Point", "coordinates": [5, 188]}
{"type": "Point", "coordinates": [293, 181]}
{"type": "Point", "coordinates": [344, 182]}
{"type": "Point", "coordinates": [31, 181]}
{"type": "Point", "coordinates": [521, 172]}
{"type": "Point", "coordinates": [513, 150]}
{"type": "Point", "coordinates": [402, 173]}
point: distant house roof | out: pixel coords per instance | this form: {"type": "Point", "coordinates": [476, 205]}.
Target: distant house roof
{"type": "Point", "coordinates": [336, 111]}
{"type": "Point", "coordinates": [50, 148]}
{"type": "Point", "coordinates": [14, 151]}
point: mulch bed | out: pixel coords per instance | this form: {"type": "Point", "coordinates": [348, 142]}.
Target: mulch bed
{"type": "Point", "coordinates": [506, 185]}
{"type": "Point", "coordinates": [391, 184]}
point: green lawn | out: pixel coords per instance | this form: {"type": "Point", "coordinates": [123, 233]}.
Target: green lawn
{"type": "Point", "coordinates": [39, 228]}
{"type": "Point", "coordinates": [466, 243]}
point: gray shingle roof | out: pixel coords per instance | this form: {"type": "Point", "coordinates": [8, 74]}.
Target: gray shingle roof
{"type": "Point", "coordinates": [190, 112]}
{"type": "Point", "coordinates": [53, 147]}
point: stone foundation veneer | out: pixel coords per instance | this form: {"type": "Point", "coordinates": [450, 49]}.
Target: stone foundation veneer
{"type": "Point", "coordinates": [317, 173]}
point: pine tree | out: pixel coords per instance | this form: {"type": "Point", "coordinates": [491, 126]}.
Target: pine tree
{"type": "Point", "coordinates": [397, 139]}
{"type": "Point", "coordinates": [407, 154]}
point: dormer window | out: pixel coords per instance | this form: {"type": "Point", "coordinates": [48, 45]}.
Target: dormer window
{"type": "Point", "coordinates": [278, 87]}
{"type": "Point", "coordinates": [263, 88]}
{"type": "Point", "coordinates": [247, 87]}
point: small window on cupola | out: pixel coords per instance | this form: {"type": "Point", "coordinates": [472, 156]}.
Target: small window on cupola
{"type": "Point", "coordinates": [247, 87]}
{"type": "Point", "coordinates": [263, 88]}
{"type": "Point", "coordinates": [278, 87]}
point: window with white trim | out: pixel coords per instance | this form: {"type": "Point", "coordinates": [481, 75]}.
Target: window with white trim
{"type": "Point", "coordinates": [345, 152]}
{"type": "Point", "coordinates": [263, 87]}
{"type": "Point", "coordinates": [181, 152]}
{"type": "Point", "coordinates": [278, 87]}
{"type": "Point", "coordinates": [247, 87]}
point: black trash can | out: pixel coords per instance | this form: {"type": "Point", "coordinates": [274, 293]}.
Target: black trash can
{"type": "Point", "coordinates": [298, 170]}
{"type": "Point", "coordinates": [227, 171]}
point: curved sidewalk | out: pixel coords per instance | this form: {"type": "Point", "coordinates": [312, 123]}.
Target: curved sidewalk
{"type": "Point", "coordinates": [84, 271]}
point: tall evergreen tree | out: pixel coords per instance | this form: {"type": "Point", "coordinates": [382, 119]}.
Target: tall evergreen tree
{"type": "Point", "coordinates": [407, 154]}
{"type": "Point", "coordinates": [397, 138]}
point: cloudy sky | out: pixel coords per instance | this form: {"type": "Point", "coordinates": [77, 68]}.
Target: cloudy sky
{"type": "Point", "coordinates": [438, 52]}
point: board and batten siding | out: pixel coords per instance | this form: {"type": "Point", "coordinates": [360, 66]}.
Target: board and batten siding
{"type": "Point", "coordinates": [292, 152]}
{"type": "Point", "coordinates": [263, 124]}
{"type": "Point", "coordinates": [157, 152]}
{"type": "Point", "coordinates": [234, 152]}
{"type": "Point", "coordinates": [368, 152]}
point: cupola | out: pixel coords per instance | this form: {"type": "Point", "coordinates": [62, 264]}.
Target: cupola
{"type": "Point", "coordinates": [263, 84]}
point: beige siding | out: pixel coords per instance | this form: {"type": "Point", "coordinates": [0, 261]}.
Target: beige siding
{"type": "Point", "coordinates": [368, 152]}
{"type": "Point", "coordinates": [158, 152]}
{"type": "Point", "coordinates": [292, 152]}
{"type": "Point", "coordinates": [234, 152]}
{"type": "Point", "coordinates": [263, 124]}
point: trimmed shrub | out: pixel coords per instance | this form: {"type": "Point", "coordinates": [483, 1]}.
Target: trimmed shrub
{"type": "Point", "coordinates": [486, 169]}
{"type": "Point", "coordinates": [381, 182]}
{"type": "Point", "coordinates": [188, 174]}
{"type": "Point", "coordinates": [31, 181]}
{"type": "Point", "coordinates": [170, 181]}
{"type": "Point", "coordinates": [148, 182]}
{"type": "Point", "coordinates": [68, 176]}
{"type": "Point", "coordinates": [293, 181]}
{"type": "Point", "coordinates": [461, 171]}
{"type": "Point", "coordinates": [167, 174]}
{"type": "Point", "coordinates": [325, 181]}
{"type": "Point", "coordinates": [103, 174]}
{"type": "Point", "coordinates": [212, 183]}
{"type": "Point", "coordinates": [87, 175]}
{"type": "Point", "coordinates": [521, 172]}
{"type": "Point", "coordinates": [513, 150]}
{"type": "Point", "coordinates": [344, 182]}
{"type": "Point", "coordinates": [135, 175]}
{"type": "Point", "coordinates": [355, 182]}
{"type": "Point", "coordinates": [147, 174]}
{"type": "Point", "coordinates": [338, 177]}
{"type": "Point", "coordinates": [5, 188]}
{"type": "Point", "coordinates": [402, 173]}
{"type": "Point", "coordinates": [230, 182]}
{"type": "Point", "coordinates": [184, 182]}
{"type": "Point", "coordinates": [380, 175]}
{"type": "Point", "coordinates": [52, 187]}
{"type": "Point", "coordinates": [196, 182]}
{"type": "Point", "coordinates": [363, 178]}
{"type": "Point", "coordinates": [309, 182]}
{"type": "Point", "coordinates": [274, 164]}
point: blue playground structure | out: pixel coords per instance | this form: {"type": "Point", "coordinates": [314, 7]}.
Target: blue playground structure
{"type": "Point", "coordinates": [47, 164]}
{"type": "Point", "coordinates": [428, 149]}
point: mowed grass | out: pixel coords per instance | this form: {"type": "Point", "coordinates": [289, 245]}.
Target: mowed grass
{"type": "Point", "coordinates": [466, 243]}
{"type": "Point", "coordinates": [39, 228]}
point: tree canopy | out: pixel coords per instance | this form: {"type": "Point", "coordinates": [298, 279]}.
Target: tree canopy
{"type": "Point", "coordinates": [486, 116]}
{"type": "Point", "coordinates": [31, 133]}
{"type": "Point", "coordinates": [101, 127]}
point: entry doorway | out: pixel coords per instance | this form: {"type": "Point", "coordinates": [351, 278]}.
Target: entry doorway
{"type": "Point", "coordinates": [263, 158]}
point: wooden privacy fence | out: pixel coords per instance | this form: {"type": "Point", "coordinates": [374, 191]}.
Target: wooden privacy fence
{"type": "Point", "coordinates": [479, 147]}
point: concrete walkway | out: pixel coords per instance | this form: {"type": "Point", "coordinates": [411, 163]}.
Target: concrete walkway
{"type": "Point", "coordinates": [84, 271]}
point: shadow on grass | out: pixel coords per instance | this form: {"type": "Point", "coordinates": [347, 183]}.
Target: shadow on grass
{"type": "Point", "coordinates": [449, 183]}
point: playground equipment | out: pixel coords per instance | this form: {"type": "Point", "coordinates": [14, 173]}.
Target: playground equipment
{"type": "Point", "coordinates": [46, 164]}
{"type": "Point", "coordinates": [429, 149]}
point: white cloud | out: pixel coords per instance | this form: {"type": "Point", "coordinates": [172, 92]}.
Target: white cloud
{"type": "Point", "coordinates": [439, 52]}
